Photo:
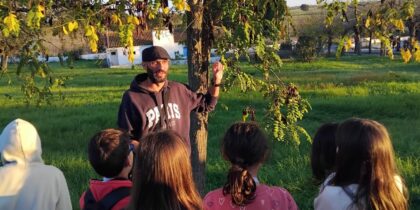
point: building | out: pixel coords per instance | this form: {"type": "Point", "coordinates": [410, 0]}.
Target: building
{"type": "Point", "coordinates": [117, 55]}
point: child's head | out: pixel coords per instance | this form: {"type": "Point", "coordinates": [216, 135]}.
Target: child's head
{"type": "Point", "coordinates": [323, 151]}
{"type": "Point", "coordinates": [109, 152]}
{"type": "Point", "coordinates": [365, 156]}
{"type": "Point", "coordinates": [163, 175]}
{"type": "Point", "coordinates": [245, 146]}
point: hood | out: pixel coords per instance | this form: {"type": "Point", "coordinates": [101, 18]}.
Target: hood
{"type": "Point", "coordinates": [20, 143]}
{"type": "Point", "coordinates": [135, 87]}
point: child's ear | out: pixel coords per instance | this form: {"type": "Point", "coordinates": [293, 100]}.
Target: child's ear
{"type": "Point", "coordinates": [129, 160]}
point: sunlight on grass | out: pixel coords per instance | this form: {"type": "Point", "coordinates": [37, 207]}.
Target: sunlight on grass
{"type": "Point", "coordinates": [367, 87]}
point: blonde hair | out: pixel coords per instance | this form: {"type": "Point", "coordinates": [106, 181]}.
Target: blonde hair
{"type": "Point", "coordinates": [162, 175]}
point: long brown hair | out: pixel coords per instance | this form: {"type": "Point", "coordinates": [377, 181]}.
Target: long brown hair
{"type": "Point", "coordinates": [366, 157]}
{"type": "Point", "coordinates": [163, 175]}
{"type": "Point", "coordinates": [244, 145]}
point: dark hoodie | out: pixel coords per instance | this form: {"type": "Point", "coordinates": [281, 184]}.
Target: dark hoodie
{"type": "Point", "coordinates": [141, 110]}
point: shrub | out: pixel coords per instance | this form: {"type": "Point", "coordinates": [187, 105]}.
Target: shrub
{"type": "Point", "coordinates": [306, 48]}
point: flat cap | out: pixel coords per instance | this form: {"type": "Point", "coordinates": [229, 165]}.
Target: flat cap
{"type": "Point", "coordinates": [154, 53]}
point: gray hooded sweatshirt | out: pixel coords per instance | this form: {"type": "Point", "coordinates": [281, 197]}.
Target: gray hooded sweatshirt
{"type": "Point", "coordinates": [25, 181]}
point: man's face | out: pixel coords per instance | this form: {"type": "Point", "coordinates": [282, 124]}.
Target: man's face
{"type": "Point", "coordinates": [157, 70]}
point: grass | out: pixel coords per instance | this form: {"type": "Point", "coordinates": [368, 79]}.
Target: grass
{"type": "Point", "coordinates": [368, 87]}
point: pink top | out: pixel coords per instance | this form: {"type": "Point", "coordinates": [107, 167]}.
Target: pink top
{"type": "Point", "coordinates": [271, 198]}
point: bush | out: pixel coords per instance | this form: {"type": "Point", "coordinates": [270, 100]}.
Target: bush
{"type": "Point", "coordinates": [306, 48]}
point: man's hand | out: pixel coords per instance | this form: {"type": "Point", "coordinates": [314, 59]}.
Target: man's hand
{"type": "Point", "coordinates": [218, 72]}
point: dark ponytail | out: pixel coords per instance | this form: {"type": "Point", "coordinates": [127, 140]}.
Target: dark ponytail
{"type": "Point", "coordinates": [244, 145]}
{"type": "Point", "coordinates": [240, 185]}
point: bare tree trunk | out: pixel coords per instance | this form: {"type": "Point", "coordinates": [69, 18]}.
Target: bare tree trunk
{"type": "Point", "coordinates": [357, 47]}
{"type": "Point", "coordinates": [4, 60]}
{"type": "Point", "coordinates": [411, 32]}
{"type": "Point", "coordinates": [198, 44]}
{"type": "Point", "coordinates": [329, 45]}
{"type": "Point", "coordinates": [382, 52]}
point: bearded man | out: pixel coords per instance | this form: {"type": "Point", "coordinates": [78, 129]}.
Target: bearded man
{"type": "Point", "coordinates": [154, 103]}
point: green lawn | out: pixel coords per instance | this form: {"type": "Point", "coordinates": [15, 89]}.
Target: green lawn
{"type": "Point", "coordinates": [368, 87]}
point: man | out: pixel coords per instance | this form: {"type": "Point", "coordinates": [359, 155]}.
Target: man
{"type": "Point", "coordinates": [153, 103]}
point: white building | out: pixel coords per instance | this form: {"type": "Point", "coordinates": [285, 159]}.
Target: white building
{"type": "Point", "coordinates": [117, 56]}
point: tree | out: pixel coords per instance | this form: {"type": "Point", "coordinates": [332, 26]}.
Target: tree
{"type": "Point", "coordinates": [230, 26]}
{"type": "Point", "coordinates": [233, 27]}
{"type": "Point", "coordinates": [382, 21]}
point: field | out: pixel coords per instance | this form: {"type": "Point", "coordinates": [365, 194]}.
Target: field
{"type": "Point", "coordinates": [367, 87]}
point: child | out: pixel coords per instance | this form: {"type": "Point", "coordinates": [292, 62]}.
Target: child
{"type": "Point", "coordinates": [366, 176]}
{"type": "Point", "coordinates": [25, 181]}
{"type": "Point", "coordinates": [111, 155]}
{"type": "Point", "coordinates": [246, 147]}
{"type": "Point", "coordinates": [163, 176]}
{"type": "Point", "coordinates": [323, 151]}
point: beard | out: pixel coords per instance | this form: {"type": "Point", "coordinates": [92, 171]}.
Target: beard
{"type": "Point", "coordinates": [151, 74]}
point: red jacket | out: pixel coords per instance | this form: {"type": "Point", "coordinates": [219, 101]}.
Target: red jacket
{"type": "Point", "coordinates": [100, 189]}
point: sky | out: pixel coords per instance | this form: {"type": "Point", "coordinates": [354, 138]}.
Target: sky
{"type": "Point", "coordinates": [292, 3]}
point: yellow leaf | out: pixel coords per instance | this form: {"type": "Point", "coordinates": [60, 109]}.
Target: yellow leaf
{"type": "Point", "coordinates": [93, 46]}
{"type": "Point", "coordinates": [65, 30]}
{"type": "Point", "coordinates": [406, 55]}
{"type": "Point", "coordinates": [417, 55]}
{"type": "Point", "coordinates": [399, 24]}
{"type": "Point", "coordinates": [416, 51]}
{"type": "Point", "coordinates": [89, 31]}
{"type": "Point", "coordinates": [151, 16]}
{"type": "Point", "coordinates": [187, 7]}
{"type": "Point", "coordinates": [367, 23]}
{"type": "Point", "coordinates": [73, 25]}
{"type": "Point", "coordinates": [115, 19]}
{"type": "Point", "coordinates": [6, 32]}
{"type": "Point", "coordinates": [133, 20]}
{"type": "Point", "coordinates": [94, 37]}
{"type": "Point", "coordinates": [131, 54]}
{"type": "Point", "coordinates": [348, 44]}
{"type": "Point", "coordinates": [12, 23]}
{"type": "Point", "coordinates": [41, 73]}
{"type": "Point", "coordinates": [390, 54]}
{"type": "Point", "coordinates": [41, 8]}
{"type": "Point", "coordinates": [179, 5]}
{"type": "Point", "coordinates": [41, 11]}
{"type": "Point", "coordinates": [166, 10]}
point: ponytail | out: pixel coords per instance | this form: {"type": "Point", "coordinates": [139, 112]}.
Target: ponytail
{"type": "Point", "coordinates": [240, 185]}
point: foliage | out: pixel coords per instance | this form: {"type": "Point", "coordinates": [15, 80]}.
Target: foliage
{"type": "Point", "coordinates": [235, 26]}
{"type": "Point", "coordinates": [369, 87]}
{"type": "Point", "coordinates": [23, 25]}
{"type": "Point", "coordinates": [382, 20]}
{"type": "Point", "coordinates": [239, 26]}
{"type": "Point", "coordinates": [306, 48]}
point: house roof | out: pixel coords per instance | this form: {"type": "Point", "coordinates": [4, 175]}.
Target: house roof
{"type": "Point", "coordinates": [140, 37]}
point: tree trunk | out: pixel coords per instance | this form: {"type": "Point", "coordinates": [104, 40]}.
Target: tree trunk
{"type": "Point", "coordinates": [411, 32]}
{"type": "Point", "coordinates": [198, 43]}
{"type": "Point", "coordinates": [382, 52]}
{"type": "Point", "coordinates": [357, 47]}
{"type": "Point", "coordinates": [329, 45]}
{"type": "Point", "coordinates": [4, 60]}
